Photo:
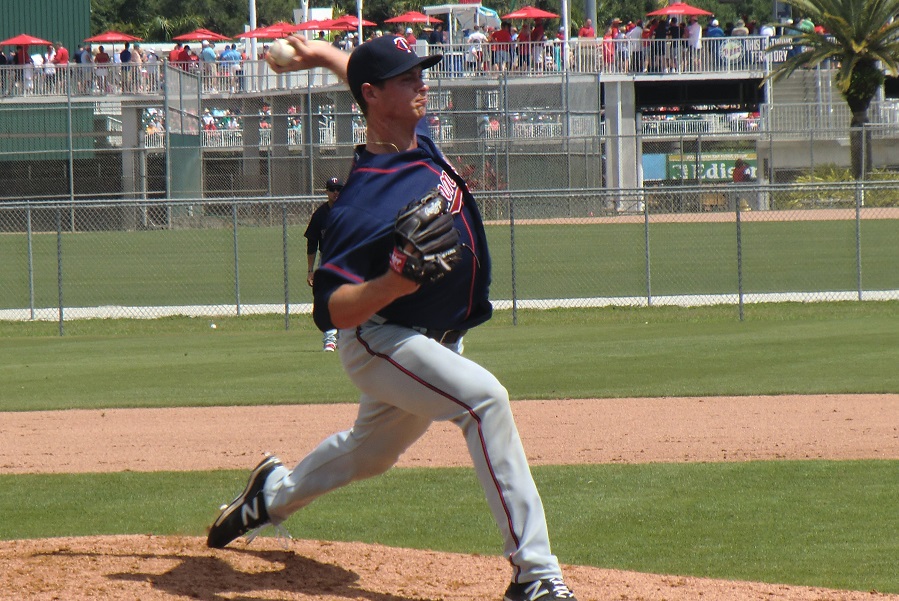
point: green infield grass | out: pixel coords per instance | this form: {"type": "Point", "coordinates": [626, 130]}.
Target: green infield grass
{"type": "Point", "coordinates": [572, 353]}
{"type": "Point", "coordinates": [813, 523]}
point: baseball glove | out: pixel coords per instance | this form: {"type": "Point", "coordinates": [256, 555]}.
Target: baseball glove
{"type": "Point", "coordinates": [427, 243]}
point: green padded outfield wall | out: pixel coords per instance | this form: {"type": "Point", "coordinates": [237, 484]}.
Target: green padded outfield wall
{"type": "Point", "coordinates": [67, 21]}
{"type": "Point", "coordinates": [31, 131]}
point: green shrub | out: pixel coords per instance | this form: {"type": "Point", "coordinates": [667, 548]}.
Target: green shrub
{"type": "Point", "coordinates": [822, 188]}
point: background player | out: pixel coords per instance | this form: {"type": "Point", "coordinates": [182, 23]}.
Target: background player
{"type": "Point", "coordinates": [315, 234]}
{"type": "Point", "coordinates": [399, 339]}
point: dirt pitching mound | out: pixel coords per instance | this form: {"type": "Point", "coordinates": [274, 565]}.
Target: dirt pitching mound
{"type": "Point", "coordinates": [152, 568]}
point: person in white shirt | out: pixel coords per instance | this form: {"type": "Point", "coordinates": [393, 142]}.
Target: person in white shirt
{"type": "Point", "coordinates": [476, 41]}
{"type": "Point", "coordinates": [635, 46]}
{"type": "Point", "coordinates": [34, 72]}
{"type": "Point", "coordinates": [694, 43]}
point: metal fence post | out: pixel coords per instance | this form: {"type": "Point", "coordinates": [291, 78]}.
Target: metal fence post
{"type": "Point", "coordinates": [508, 131]}
{"type": "Point", "coordinates": [647, 254]}
{"type": "Point", "coordinates": [811, 151]}
{"type": "Point", "coordinates": [30, 261]}
{"type": "Point", "coordinates": [859, 202]}
{"type": "Point", "coordinates": [512, 247]}
{"type": "Point", "coordinates": [309, 139]}
{"type": "Point", "coordinates": [566, 103]}
{"type": "Point", "coordinates": [71, 140]}
{"type": "Point", "coordinates": [59, 268]}
{"type": "Point", "coordinates": [286, 266]}
{"type": "Point", "coordinates": [770, 132]}
{"type": "Point", "coordinates": [236, 258]}
{"type": "Point", "coordinates": [166, 82]}
{"type": "Point", "coordinates": [739, 257]}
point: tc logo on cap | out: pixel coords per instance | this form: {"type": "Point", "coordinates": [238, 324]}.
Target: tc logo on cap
{"type": "Point", "coordinates": [402, 45]}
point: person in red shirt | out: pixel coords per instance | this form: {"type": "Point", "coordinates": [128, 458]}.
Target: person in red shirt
{"type": "Point", "coordinates": [502, 46]}
{"type": "Point", "coordinates": [60, 58]}
{"type": "Point", "coordinates": [587, 30]}
{"type": "Point", "coordinates": [184, 58]}
{"type": "Point", "coordinates": [742, 171]}
{"type": "Point", "coordinates": [587, 54]}
{"type": "Point", "coordinates": [608, 47]}
{"type": "Point", "coordinates": [175, 53]}
{"type": "Point", "coordinates": [22, 56]}
{"type": "Point", "coordinates": [523, 46]}
{"type": "Point", "coordinates": [102, 56]}
{"type": "Point", "coordinates": [193, 59]}
{"type": "Point", "coordinates": [101, 61]}
{"type": "Point", "coordinates": [537, 31]}
{"type": "Point", "coordinates": [62, 54]}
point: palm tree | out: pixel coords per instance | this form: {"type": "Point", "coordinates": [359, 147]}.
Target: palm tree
{"type": "Point", "coordinates": [863, 39]}
{"type": "Point", "coordinates": [162, 28]}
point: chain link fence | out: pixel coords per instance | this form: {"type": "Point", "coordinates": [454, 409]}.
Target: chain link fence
{"type": "Point", "coordinates": [196, 203]}
{"type": "Point", "coordinates": [578, 249]}
{"type": "Point", "coordinates": [553, 248]}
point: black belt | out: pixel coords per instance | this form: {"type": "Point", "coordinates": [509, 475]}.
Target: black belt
{"type": "Point", "coordinates": [441, 336]}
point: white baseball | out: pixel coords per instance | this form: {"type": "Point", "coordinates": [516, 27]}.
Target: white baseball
{"type": "Point", "coordinates": [282, 52]}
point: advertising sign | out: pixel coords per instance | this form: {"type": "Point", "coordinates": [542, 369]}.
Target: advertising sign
{"type": "Point", "coordinates": [709, 166]}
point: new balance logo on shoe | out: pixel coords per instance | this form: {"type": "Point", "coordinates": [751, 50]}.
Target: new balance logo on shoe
{"type": "Point", "coordinates": [548, 589]}
{"type": "Point", "coordinates": [249, 513]}
{"type": "Point", "coordinates": [534, 591]}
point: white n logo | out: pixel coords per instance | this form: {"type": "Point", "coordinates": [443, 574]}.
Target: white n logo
{"type": "Point", "coordinates": [250, 511]}
{"type": "Point", "coordinates": [533, 591]}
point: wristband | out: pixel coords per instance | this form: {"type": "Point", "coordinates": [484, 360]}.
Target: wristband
{"type": "Point", "coordinates": [398, 260]}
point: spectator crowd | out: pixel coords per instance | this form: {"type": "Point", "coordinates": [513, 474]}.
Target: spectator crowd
{"type": "Point", "coordinates": [658, 45]}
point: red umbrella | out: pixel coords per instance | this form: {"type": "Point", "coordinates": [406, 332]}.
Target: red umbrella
{"type": "Point", "coordinates": [278, 30]}
{"type": "Point", "coordinates": [112, 37]}
{"type": "Point", "coordinates": [530, 12]}
{"type": "Point", "coordinates": [335, 25]}
{"type": "Point", "coordinates": [678, 8]}
{"type": "Point", "coordinates": [413, 16]}
{"type": "Point", "coordinates": [354, 21]}
{"type": "Point", "coordinates": [23, 39]}
{"type": "Point", "coordinates": [200, 34]}
{"type": "Point", "coordinates": [309, 25]}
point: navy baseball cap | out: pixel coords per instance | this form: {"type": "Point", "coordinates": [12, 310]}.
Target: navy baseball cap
{"type": "Point", "coordinates": [334, 184]}
{"type": "Point", "coordinates": [382, 58]}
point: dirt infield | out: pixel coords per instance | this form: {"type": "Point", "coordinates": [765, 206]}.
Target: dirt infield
{"type": "Point", "coordinates": [595, 431]}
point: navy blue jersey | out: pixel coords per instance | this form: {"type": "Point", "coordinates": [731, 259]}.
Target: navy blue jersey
{"type": "Point", "coordinates": [361, 238]}
{"type": "Point", "coordinates": [315, 231]}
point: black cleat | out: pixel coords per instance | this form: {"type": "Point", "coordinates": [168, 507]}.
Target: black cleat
{"type": "Point", "coordinates": [247, 511]}
{"type": "Point", "coordinates": [548, 589]}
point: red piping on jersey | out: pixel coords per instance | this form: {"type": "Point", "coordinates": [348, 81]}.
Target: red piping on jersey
{"type": "Point", "coordinates": [474, 264]}
{"type": "Point", "coordinates": [470, 411]}
{"type": "Point", "coordinates": [400, 168]}
{"type": "Point", "coordinates": [350, 276]}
